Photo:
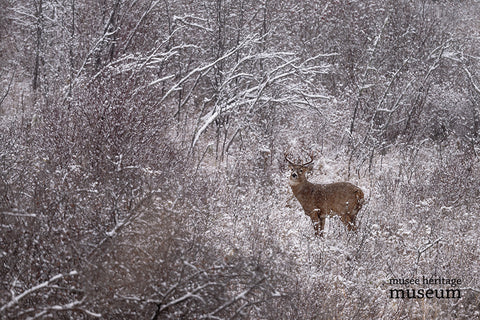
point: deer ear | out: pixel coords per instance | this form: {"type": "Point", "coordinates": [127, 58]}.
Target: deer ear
{"type": "Point", "coordinates": [309, 167]}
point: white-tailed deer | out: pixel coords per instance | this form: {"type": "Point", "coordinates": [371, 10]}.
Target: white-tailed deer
{"type": "Point", "coordinates": [320, 200]}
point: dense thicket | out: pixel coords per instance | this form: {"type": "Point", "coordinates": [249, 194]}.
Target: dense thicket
{"type": "Point", "coordinates": [142, 143]}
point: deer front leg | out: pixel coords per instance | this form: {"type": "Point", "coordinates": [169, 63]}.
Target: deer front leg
{"type": "Point", "coordinates": [318, 220]}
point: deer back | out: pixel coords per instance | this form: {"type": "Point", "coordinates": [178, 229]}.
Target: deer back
{"type": "Point", "coordinates": [340, 197]}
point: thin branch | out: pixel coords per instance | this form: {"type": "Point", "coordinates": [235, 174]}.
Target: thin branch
{"type": "Point", "coordinates": [72, 306]}
{"type": "Point", "coordinates": [17, 214]}
{"type": "Point", "coordinates": [177, 86]}
{"type": "Point", "coordinates": [241, 296]}
{"type": "Point", "coordinates": [140, 21]}
{"type": "Point", "coordinates": [17, 298]}
{"type": "Point", "coordinates": [8, 89]}
{"type": "Point", "coordinates": [472, 289]}
{"type": "Point", "coordinates": [470, 77]}
{"type": "Point", "coordinates": [428, 246]}
{"type": "Point", "coordinates": [136, 212]}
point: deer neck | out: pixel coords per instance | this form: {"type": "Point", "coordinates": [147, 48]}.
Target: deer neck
{"type": "Point", "coordinates": [302, 188]}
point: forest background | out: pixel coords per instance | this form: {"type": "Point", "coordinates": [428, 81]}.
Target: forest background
{"type": "Point", "coordinates": [142, 157]}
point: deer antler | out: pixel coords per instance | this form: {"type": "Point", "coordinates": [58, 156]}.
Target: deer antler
{"type": "Point", "coordinates": [286, 158]}
{"type": "Point", "coordinates": [310, 155]}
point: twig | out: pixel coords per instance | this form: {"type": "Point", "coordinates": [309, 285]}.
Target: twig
{"type": "Point", "coordinates": [8, 88]}
{"type": "Point", "coordinates": [428, 246]}
{"type": "Point", "coordinates": [22, 295]}
{"type": "Point", "coordinates": [17, 214]}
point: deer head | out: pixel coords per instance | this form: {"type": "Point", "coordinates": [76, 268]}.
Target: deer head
{"type": "Point", "coordinates": [298, 171]}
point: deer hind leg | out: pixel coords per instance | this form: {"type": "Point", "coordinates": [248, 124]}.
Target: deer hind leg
{"type": "Point", "coordinates": [353, 215]}
{"type": "Point", "coordinates": [348, 220]}
{"type": "Point", "coordinates": [351, 226]}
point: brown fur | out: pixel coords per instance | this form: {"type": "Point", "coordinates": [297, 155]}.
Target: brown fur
{"type": "Point", "coordinates": [319, 200]}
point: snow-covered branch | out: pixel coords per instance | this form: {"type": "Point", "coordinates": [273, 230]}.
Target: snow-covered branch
{"type": "Point", "coordinates": [16, 298]}
{"type": "Point", "coordinates": [285, 66]}
{"type": "Point", "coordinates": [241, 296]}
{"type": "Point", "coordinates": [72, 306]}
{"type": "Point", "coordinates": [470, 77]}
{"type": "Point", "coordinates": [18, 214]}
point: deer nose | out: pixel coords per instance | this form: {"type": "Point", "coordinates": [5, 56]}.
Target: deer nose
{"type": "Point", "coordinates": [294, 175]}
